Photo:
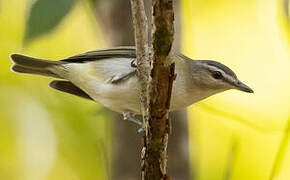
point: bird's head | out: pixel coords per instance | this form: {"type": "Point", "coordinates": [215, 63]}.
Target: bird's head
{"type": "Point", "coordinates": [213, 77]}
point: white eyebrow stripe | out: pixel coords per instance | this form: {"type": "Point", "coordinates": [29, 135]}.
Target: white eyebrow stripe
{"type": "Point", "coordinates": [214, 68]}
{"type": "Point", "coordinates": [225, 75]}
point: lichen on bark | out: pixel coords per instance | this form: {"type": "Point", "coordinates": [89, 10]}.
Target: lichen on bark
{"type": "Point", "coordinates": [156, 83]}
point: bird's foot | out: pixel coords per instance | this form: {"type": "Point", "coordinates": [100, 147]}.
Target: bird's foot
{"type": "Point", "coordinates": [130, 117]}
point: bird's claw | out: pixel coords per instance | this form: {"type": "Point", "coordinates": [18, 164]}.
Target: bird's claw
{"type": "Point", "coordinates": [130, 117]}
{"type": "Point", "coordinates": [140, 130]}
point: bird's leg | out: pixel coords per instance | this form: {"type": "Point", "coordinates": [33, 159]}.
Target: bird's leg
{"type": "Point", "coordinates": [130, 117]}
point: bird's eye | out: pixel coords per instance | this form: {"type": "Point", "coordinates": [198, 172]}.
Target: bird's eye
{"type": "Point", "coordinates": [217, 75]}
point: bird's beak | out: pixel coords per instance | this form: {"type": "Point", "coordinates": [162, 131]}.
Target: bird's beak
{"type": "Point", "coordinates": [242, 87]}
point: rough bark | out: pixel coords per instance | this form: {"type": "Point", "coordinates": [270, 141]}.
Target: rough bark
{"type": "Point", "coordinates": [142, 49]}
{"type": "Point", "coordinates": [159, 87]}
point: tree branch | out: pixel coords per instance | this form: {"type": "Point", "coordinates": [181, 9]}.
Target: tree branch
{"type": "Point", "coordinates": [160, 87]}
{"type": "Point", "coordinates": [156, 95]}
{"type": "Point", "coordinates": [142, 52]}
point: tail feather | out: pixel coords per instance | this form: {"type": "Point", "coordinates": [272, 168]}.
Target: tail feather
{"type": "Point", "coordinates": [26, 70]}
{"type": "Point", "coordinates": [33, 62]}
{"type": "Point", "coordinates": [29, 65]}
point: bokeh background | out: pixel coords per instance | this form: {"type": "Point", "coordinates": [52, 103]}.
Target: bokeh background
{"type": "Point", "coordinates": [48, 135]}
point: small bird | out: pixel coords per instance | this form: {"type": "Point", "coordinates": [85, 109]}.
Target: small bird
{"type": "Point", "coordinates": [109, 77]}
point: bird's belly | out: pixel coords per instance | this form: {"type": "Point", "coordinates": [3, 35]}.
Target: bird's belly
{"type": "Point", "coordinates": [125, 96]}
{"type": "Point", "coordinates": [120, 97]}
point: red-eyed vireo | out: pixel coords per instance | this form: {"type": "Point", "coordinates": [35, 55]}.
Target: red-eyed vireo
{"type": "Point", "coordinates": [109, 77]}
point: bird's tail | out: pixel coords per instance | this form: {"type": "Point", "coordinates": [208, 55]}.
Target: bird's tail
{"type": "Point", "coordinates": [29, 65]}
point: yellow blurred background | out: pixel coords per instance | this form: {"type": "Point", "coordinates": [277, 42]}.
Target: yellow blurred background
{"type": "Point", "coordinates": [54, 136]}
{"type": "Point", "coordinates": [237, 131]}
{"type": "Point", "coordinates": [46, 134]}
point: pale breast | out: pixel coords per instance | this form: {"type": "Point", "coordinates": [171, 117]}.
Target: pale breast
{"type": "Point", "coordinates": [119, 97]}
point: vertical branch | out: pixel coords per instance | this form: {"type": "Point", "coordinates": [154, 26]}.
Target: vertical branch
{"type": "Point", "coordinates": [156, 88]}
{"type": "Point", "coordinates": [125, 162]}
{"type": "Point", "coordinates": [142, 54]}
{"type": "Point", "coordinates": [162, 75]}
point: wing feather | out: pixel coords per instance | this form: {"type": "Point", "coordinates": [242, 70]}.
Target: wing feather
{"type": "Point", "coordinates": [68, 87]}
{"type": "Point", "coordinates": [118, 52]}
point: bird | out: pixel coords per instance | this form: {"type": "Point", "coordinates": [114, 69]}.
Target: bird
{"type": "Point", "coordinates": [109, 77]}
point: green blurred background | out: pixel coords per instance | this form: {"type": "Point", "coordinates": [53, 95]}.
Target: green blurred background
{"type": "Point", "coordinates": [48, 135]}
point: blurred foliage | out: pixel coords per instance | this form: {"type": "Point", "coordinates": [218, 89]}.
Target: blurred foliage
{"type": "Point", "coordinates": [47, 134]}
{"type": "Point", "coordinates": [44, 16]}
{"type": "Point", "coordinates": [281, 153]}
{"type": "Point", "coordinates": [249, 37]}
{"type": "Point", "coordinates": [286, 12]}
{"type": "Point", "coordinates": [286, 4]}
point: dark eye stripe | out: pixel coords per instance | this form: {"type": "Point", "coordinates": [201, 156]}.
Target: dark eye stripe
{"type": "Point", "coordinates": [217, 75]}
